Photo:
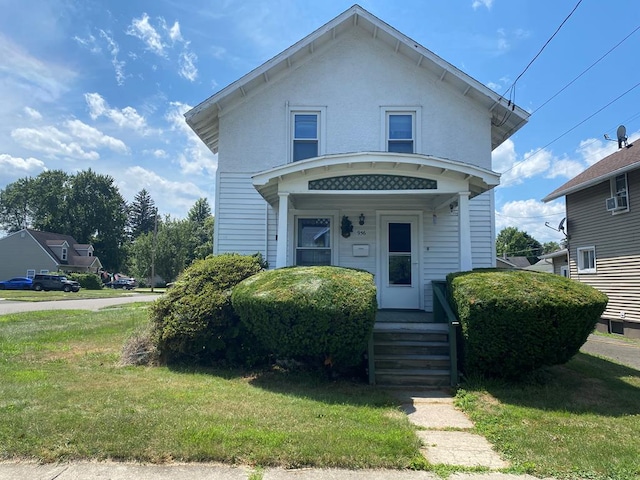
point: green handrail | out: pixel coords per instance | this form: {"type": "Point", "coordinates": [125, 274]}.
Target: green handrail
{"type": "Point", "coordinates": [442, 313]}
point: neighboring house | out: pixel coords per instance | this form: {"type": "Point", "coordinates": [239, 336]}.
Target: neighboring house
{"type": "Point", "coordinates": [543, 265]}
{"type": "Point", "coordinates": [559, 261]}
{"type": "Point", "coordinates": [359, 147]}
{"type": "Point", "coordinates": [27, 252]}
{"type": "Point", "coordinates": [603, 220]}
{"type": "Point", "coordinates": [512, 262]}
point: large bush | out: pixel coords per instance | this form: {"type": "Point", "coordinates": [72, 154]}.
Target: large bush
{"type": "Point", "coordinates": [88, 281]}
{"type": "Point", "coordinates": [312, 314]}
{"type": "Point", "coordinates": [515, 321]}
{"type": "Point", "coordinates": [194, 322]}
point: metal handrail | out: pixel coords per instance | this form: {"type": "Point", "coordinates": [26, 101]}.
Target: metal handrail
{"type": "Point", "coordinates": [442, 313]}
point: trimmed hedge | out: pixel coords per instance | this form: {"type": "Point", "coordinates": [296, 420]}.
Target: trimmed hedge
{"type": "Point", "coordinates": [194, 322]}
{"type": "Point", "coordinates": [515, 321]}
{"type": "Point", "coordinates": [312, 314]}
{"type": "Point", "coordinates": [88, 281]}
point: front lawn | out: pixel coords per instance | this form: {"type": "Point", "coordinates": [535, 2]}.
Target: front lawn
{"type": "Point", "coordinates": [64, 396]}
{"type": "Point", "coordinates": [579, 420]}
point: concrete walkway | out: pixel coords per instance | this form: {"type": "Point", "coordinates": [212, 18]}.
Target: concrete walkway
{"type": "Point", "coordinates": [13, 306]}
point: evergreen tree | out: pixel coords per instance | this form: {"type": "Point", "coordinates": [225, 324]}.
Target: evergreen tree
{"type": "Point", "coordinates": [142, 214]}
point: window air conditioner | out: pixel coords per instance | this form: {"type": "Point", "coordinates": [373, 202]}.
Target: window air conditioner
{"type": "Point", "coordinates": [616, 203]}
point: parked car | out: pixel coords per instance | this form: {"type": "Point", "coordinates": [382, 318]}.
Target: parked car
{"type": "Point", "coordinates": [124, 283]}
{"type": "Point", "coordinates": [54, 282]}
{"type": "Point", "coordinates": [16, 283]}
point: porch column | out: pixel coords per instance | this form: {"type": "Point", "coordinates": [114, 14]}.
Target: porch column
{"type": "Point", "coordinates": [283, 234]}
{"type": "Point", "coordinates": [464, 229]}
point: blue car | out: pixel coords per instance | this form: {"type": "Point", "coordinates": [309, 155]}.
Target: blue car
{"type": "Point", "coordinates": [16, 283]}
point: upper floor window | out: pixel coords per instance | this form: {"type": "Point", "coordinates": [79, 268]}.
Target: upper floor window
{"type": "Point", "coordinates": [307, 126]}
{"type": "Point", "coordinates": [64, 254]}
{"type": "Point", "coordinates": [401, 129]}
{"type": "Point", "coordinates": [619, 194]}
{"type": "Point", "coordinates": [586, 259]}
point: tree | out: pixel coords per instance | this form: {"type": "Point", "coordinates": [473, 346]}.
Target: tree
{"type": "Point", "coordinates": [98, 215]}
{"type": "Point", "coordinates": [48, 201]}
{"type": "Point", "coordinates": [512, 242]}
{"type": "Point", "coordinates": [142, 214]}
{"type": "Point", "coordinates": [201, 226]}
{"type": "Point", "coordinates": [15, 211]}
{"type": "Point", "coordinates": [550, 247]}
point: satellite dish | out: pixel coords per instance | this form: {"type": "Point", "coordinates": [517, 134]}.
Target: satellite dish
{"type": "Point", "coordinates": [621, 133]}
{"type": "Point", "coordinates": [561, 226]}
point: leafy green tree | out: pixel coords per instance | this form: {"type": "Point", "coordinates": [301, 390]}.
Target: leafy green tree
{"type": "Point", "coordinates": [98, 215]}
{"type": "Point", "coordinates": [201, 226]}
{"type": "Point", "coordinates": [15, 209]}
{"type": "Point", "coordinates": [48, 201]}
{"type": "Point", "coordinates": [142, 214]}
{"type": "Point", "coordinates": [172, 248]}
{"type": "Point", "coordinates": [512, 242]}
{"type": "Point", "coordinates": [550, 247]}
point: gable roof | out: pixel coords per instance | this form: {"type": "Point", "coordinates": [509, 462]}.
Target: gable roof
{"type": "Point", "coordinates": [507, 118]}
{"type": "Point", "coordinates": [622, 161]}
{"type": "Point", "coordinates": [48, 239]}
{"type": "Point", "coordinates": [513, 262]}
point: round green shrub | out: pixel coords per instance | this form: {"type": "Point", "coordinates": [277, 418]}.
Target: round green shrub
{"type": "Point", "coordinates": [194, 322]}
{"type": "Point", "coordinates": [516, 321]}
{"type": "Point", "coordinates": [312, 314]}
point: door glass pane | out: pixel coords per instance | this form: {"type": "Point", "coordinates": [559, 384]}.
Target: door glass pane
{"type": "Point", "coordinates": [400, 237]}
{"type": "Point", "coordinates": [399, 269]}
{"type": "Point", "coordinates": [314, 232]}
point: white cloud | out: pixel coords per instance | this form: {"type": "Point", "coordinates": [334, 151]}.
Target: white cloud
{"type": "Point", "coordinates": [52, 142]}
{"type": "Point", "coordinates": [158, 153]}
{"type": "Point", "coordinates": [23, 165]}
{"type": "Point", "coordinates": [592, 150]}
{"type": "Point", "coordinates": [93, 138]}
{"type": "Point", "coordinates": [565, 168]}
{"type": "Point", "coordinates": [90, 43]}
{"type": "Point", "coordinates": [126, 118]}
{"type": "Point", "coordinates": [174, 33]}
{"type": "Point", "coordinates": [118, 65]}
{"type": "Point", "coordinates": [530, 216]}
{"type": "Point", "coordinates": [515, 171]}
{"type": "Point", "coordinates": [143, 30]}
{"type": "Point", "coordinates": [482, 3]}
{"type": "Point", "coordinates": [33, 113]}
{"type": "Point", "coordinates": [188, 69]}
{"type": "Point", "coordinates": [196, 159]}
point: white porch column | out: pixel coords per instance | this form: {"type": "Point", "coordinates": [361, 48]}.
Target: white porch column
{"type": "Point", "coordinates": [283, 233]}
{"type": "Point", "coordinates": [464, 229]}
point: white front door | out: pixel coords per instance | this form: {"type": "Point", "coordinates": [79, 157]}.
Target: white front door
{"type": "Point", "coordinates": [399, 281]}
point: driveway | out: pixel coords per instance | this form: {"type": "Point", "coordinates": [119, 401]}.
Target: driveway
{"type": "Point", "coordinates": [620, 351]}
{"type": "Point", "coordinates": [8, 306]}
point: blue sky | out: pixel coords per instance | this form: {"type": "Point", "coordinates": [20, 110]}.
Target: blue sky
{"type": "Point", "coordinates": [103, 84]}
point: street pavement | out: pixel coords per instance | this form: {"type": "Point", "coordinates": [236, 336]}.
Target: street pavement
{"type": "Point", "coordinates": [13, 306]}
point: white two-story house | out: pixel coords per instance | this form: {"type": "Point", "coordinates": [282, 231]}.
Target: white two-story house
{"type": "Point", "coordinates": [359, 147]}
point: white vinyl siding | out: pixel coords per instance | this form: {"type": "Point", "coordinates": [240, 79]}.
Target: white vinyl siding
{"type": "Point", "coordinates": [241, 220]}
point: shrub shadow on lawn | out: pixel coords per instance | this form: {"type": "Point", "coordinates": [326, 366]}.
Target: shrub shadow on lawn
{"type": "Point", "coordinates": [585, 385]}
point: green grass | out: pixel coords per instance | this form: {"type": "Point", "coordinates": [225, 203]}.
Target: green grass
{"type": "Point", "coordinates": [33, 296]}
{"type": "Point", "coordinates": [580, 420]}
{"type": "Point", "coordinates": [65, 396]}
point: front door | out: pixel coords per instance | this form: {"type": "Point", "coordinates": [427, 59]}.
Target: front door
{"type": "Point", "coordinates": [399, 281]}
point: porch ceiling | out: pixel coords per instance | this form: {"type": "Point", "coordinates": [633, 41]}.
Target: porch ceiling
{"type": "Point", "coordinates": [451, 177]}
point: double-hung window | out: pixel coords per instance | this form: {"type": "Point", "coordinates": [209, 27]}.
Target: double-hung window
{"type": "Point", "coordinates": [619, 190]}
{"type": "Point", "coordinates": [306, 132]}
{"type": "Point", "coordinates": [313, 242]}
{"type": "Point", "coordinates": [64, 254]}
{"type": "Point", "coordinates": [401, 127]}
{"type": "Point", "coordinates": [586, 259]}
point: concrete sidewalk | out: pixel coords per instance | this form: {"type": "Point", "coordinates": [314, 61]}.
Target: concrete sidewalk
{"type": "Point", "coordinates": [129, 471]}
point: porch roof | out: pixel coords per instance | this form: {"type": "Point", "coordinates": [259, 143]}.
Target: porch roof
{"type": "Point", "coordinates": [447, 177]}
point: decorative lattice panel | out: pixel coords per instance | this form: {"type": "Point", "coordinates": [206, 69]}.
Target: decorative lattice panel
{"type": "Point", "coordinates": [373, 182]}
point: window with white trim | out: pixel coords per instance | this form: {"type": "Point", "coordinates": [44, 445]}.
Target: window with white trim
{"type": "Point", "coordinates": [401, 132]}
{"type": "Point", "coordinates": [64, 254]}
{"type": "Point", "coordinates": [586, 259]}
{"type": "Point", "coordinates": [619, 189]}
{"type": "Point", "coordinates": [313, 241]}
{"type": "Point", "coordinates": [306, 129]}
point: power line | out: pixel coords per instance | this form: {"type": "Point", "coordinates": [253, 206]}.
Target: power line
{"type": "Point", "coordinates": [532, 216]}
{"type": "Point", "coordinates": [573, 128]}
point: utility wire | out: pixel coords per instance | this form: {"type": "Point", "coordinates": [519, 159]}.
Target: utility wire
{"type": "Point", "coordinates": [572, 128]}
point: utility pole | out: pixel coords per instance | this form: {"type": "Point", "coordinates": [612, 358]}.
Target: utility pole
{"type": "Point", "coordinates": [153, 250]}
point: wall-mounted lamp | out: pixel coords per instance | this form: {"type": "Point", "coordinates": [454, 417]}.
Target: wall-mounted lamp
{"type": "Point", "coordinates": [361, 219]}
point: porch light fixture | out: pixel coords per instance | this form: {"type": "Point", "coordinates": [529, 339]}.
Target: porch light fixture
{"type": "Point", "coordinates": [361, 219]}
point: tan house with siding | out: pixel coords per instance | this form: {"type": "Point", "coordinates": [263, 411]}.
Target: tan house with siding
{"type": "Point", "coordinates": [603, 244]}
{"type": "Point", "coordinates": [27, 252]}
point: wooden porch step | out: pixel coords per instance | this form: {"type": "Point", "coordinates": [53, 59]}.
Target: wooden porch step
{"type": "Point", "coordinates": [412, 362]}
{"type": "Point", "coordinates": [413, 377]}
{"type": "Point", "coordinates": [410, 348]}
